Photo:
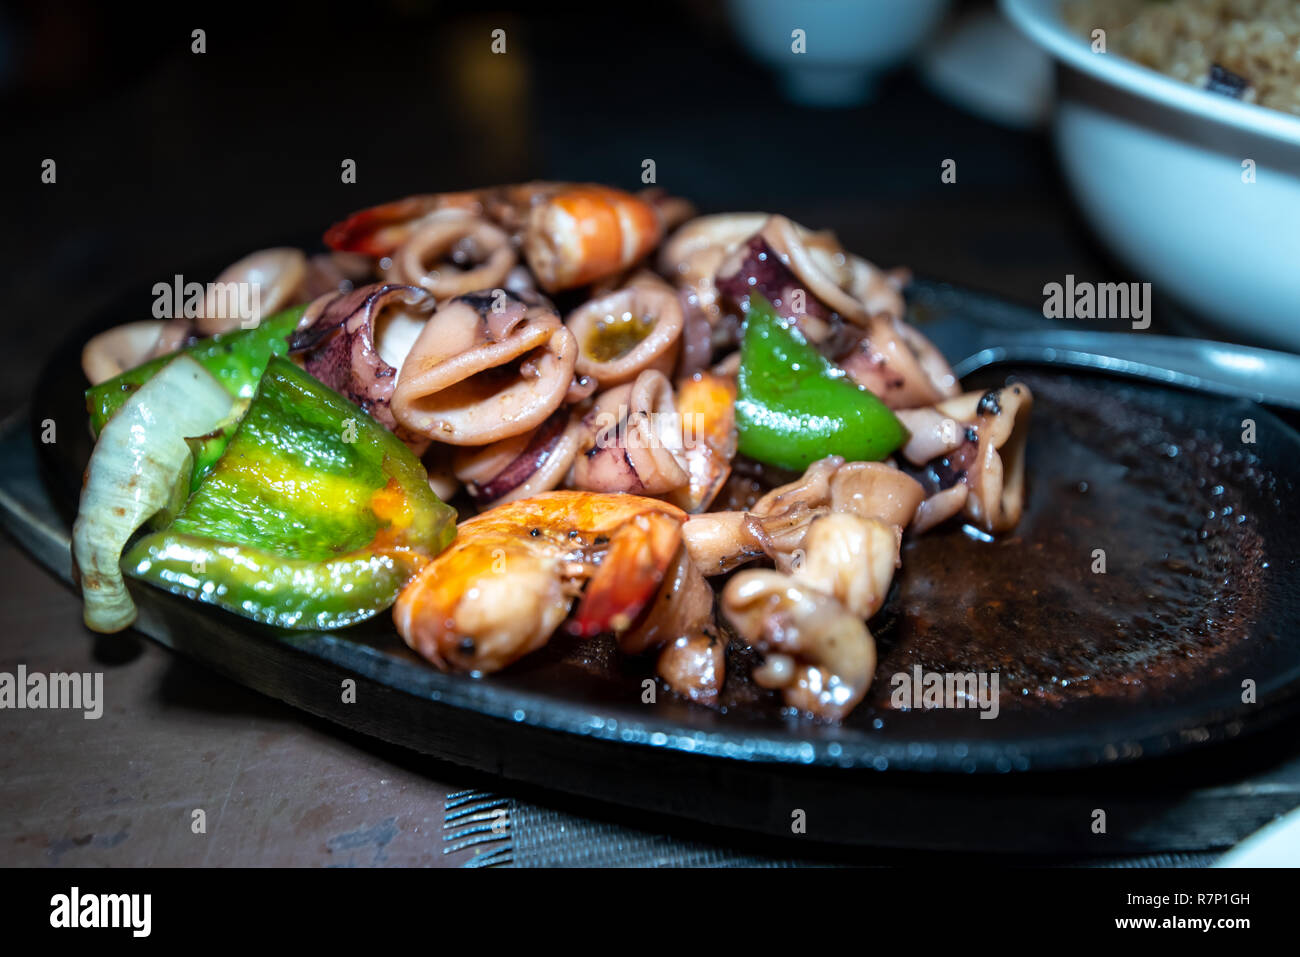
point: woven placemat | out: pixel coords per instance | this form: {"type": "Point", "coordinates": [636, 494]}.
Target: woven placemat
{"type": "Point", "coordinates": [505, 832]}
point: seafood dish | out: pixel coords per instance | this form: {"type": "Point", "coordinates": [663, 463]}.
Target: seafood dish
{"type": "Point", "coordinates": [548, 408]}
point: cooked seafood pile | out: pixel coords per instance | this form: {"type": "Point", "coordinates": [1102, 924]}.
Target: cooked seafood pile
{"type": "Point", "coordinates": [661, 423]}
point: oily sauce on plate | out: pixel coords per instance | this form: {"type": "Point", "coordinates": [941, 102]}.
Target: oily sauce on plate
{"type": "Point", "coordinates": [1109, 486]}
{"type": "Point", "coordinates": [1108, 480]}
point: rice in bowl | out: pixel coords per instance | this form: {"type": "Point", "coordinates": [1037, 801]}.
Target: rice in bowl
{"type": "Point", "coordinates": [1248, 49]}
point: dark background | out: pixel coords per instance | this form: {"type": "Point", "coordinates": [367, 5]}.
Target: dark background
{"type": "Point", "coordinates": [168, 159]}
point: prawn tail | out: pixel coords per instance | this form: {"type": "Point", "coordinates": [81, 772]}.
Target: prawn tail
{"type": "Point", "coordinates": [640, 553]}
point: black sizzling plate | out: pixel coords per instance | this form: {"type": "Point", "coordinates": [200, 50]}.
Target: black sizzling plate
{"type": "Point", "coordinates": [1199, 595]}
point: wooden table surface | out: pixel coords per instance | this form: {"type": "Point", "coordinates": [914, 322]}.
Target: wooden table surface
{"type": "Point", "coordinates": [166, 157]}
{"type": "Point", "coordinates": [277, 787]}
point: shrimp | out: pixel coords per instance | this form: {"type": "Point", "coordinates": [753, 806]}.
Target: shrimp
{"type": "Point", "coordinates": [681, 626]}
{"type": "Point", "coordinates": [585, 233]}
{"type": "Point", "coordinates": [507, 582]}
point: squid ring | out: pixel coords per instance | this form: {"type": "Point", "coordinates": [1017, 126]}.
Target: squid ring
{"type": "Point", "coordinates": [438, 237]}
{"type": "Point", "coordinates": [276, 274]}
{"type": "Point", "coordinates": [637, 443]}
{"type": "Point", "coordinates": [626, 332]}
{"type": "Point", "coordinates": [476, 375]}
{"type": "Point", "coordinates": [521, 465]}
{"type": "Point", "coordinates": [124, 347]}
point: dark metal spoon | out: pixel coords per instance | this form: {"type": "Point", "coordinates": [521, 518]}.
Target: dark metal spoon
{"type": "Point", "coordinates": [970, 341]}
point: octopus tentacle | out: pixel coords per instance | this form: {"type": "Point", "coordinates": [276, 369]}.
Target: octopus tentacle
{"type": "Point", "coordinates": [969, 453]}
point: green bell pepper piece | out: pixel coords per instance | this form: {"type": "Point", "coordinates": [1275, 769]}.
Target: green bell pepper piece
{"type": "Point", "coordinates": [315, 516]}
{"type": "Point", "coordinates": [236, 358]}
{"type": "Point", "coordinates": [206, 450]}
{"type": "Point", "coordinates": [793, 406]}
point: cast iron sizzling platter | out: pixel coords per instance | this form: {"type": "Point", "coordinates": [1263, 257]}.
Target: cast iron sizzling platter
{"type": "Point", "coordinates": [1148, 659]}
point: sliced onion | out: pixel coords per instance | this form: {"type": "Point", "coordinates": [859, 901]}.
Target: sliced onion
{"type": "Point", "coordinates": [138, 461]}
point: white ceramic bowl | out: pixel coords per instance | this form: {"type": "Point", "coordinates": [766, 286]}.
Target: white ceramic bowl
{"type": "Point", "coordinates": [1157, 167]}
{"type": "Point", "coordinates": [848, 42]}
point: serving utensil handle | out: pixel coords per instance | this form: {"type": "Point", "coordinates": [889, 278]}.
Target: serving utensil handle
{"type": "Point", "coordinates": [1262, 375]}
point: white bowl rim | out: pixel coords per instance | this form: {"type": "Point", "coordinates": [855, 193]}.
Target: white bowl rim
{"type": "Point", "coordinates": [1041, 21]}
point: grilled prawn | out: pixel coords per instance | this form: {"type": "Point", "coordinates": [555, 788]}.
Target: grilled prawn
{"type": "Point", "coordinates": [507, 582]}
{"type": "Point", "coordinates": [585, 233]}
